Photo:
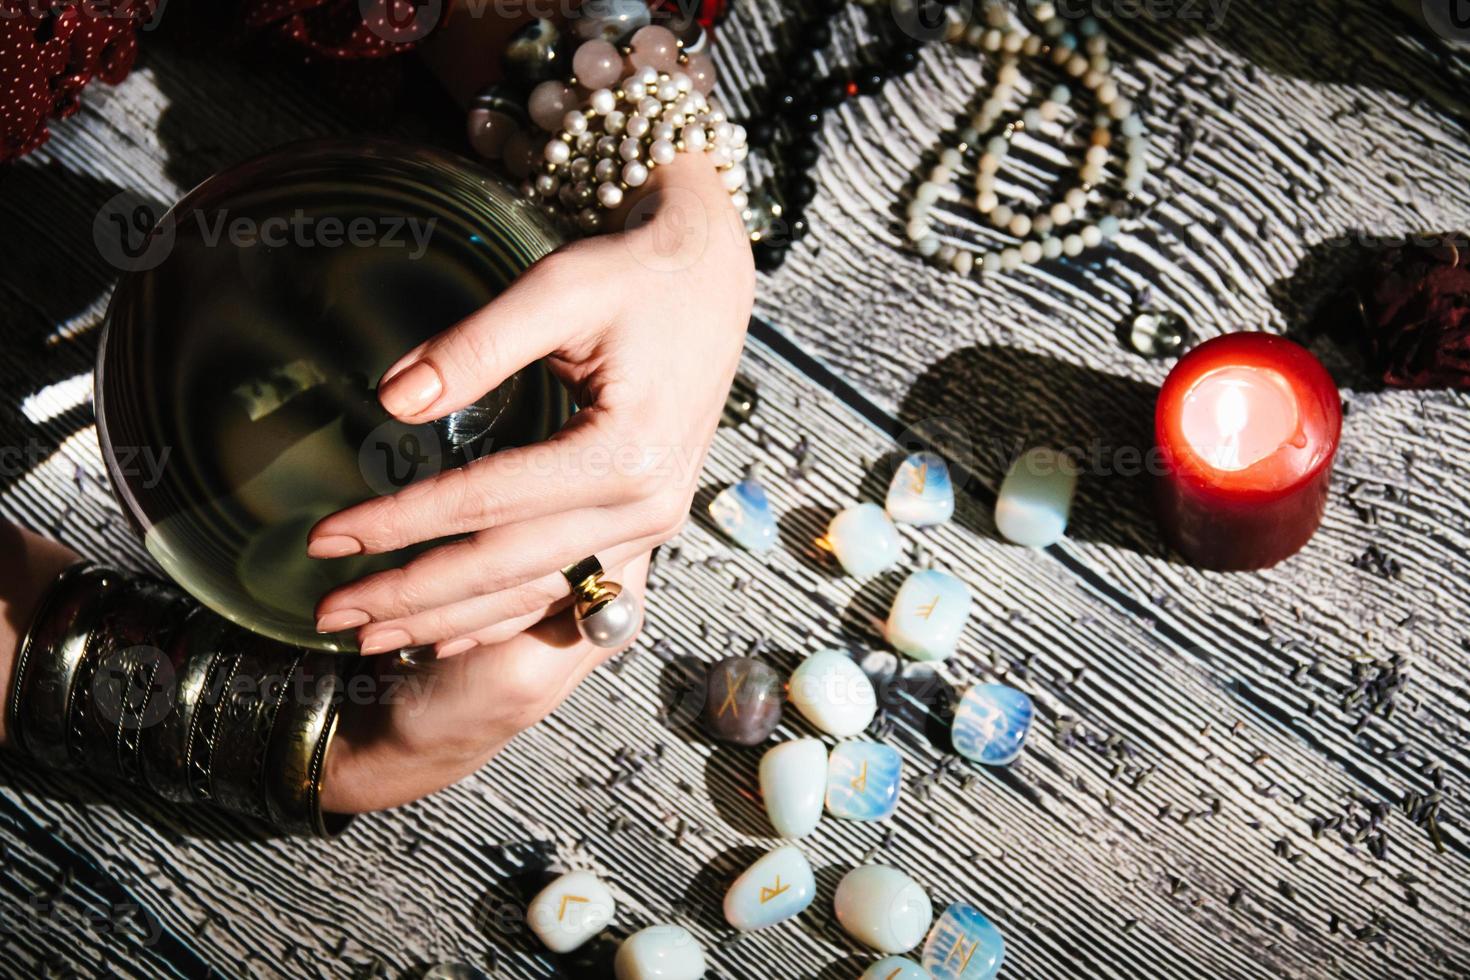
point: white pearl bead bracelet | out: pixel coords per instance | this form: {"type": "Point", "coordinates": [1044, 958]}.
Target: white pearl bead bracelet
{"type": "Point", "coordinates": [613, 144]}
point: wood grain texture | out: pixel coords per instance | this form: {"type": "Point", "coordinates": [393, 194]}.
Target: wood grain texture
{"type": "Point", "coordinates": [1191, 726]}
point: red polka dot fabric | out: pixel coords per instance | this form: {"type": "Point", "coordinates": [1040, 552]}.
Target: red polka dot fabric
{"type": "Point", "coordinates": [48, 54]}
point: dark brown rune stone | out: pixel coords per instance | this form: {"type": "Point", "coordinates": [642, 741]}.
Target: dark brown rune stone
{"type": "Point", "coordinates": [743, 701]}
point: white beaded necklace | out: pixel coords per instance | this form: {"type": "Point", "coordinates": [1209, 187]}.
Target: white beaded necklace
{"type": "Point", "coordinates": [1044, 234]}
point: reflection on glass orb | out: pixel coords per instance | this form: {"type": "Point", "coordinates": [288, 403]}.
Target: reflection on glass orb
{"type": "Point", "coordinates": [246, 363]}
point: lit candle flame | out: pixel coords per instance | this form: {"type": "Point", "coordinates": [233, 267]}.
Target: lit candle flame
{"type": "Point", "coordinates": [1232, 411]}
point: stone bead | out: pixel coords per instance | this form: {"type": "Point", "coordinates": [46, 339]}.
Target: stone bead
{"type": "Point", "coordinates": [1035, 498]}
{"type": "Point", "coordinates": [792, 778]}
{"type": "Point", "coordinates": [883, 908]}
{"type": "Point", "coordinates": [864, 540]}
{"type": "Point", "coordinates": [655, 47]}
{"type": "Point", "coordinates": [964, 945]}
{"type": "Point", "coordinates": [536, 52]}
{"type": "Point", "coordinates": [928, 615]}
{"type": "Point", "coordinates": [549, 103]}
{"type": "Point", "coordinates": [661, 952]}
{"type": "Point", "coordinates": [991, 723]}
{"type": "Point", "coordinates": [611, 20]}
{"type": "Point", "coordinates": [743, 701]}
{"type": "Point", "coordinates": [863, 780]}
{"type": "Point", "coordinates": [488, 131]}
{"type": "Point", "coordinates": [570, 911]}
{"type": "Point", "coordinates": [773, 889]}
{"type": "Point", "coordinates": [894, 968]}
{"type": "Point", "coordinates": [741, 510]}
{"type": "Point", "coordinates": [833, 693]}
{"type": "Point", "coordinates": [1158, 334]}
{"type": "Point", "coordinates": [701, 71]}
{"type": "Point", "coordinates": [597, 64]}
{"type": "Point", "coordinates": [921, 491]}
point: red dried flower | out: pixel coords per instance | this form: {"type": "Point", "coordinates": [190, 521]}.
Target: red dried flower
{"type": "Point", "coordinates": [1416, 305]}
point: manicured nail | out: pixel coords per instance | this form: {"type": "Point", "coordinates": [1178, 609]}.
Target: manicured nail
{"type": "Point", "coordinates": [342, 619]}
{"type": "Point", "coordinates": [410, 392]}
{"type": "Point", "coordinates": [384, 640]}
{"type": "Point", "coordinates": [455, 647]}
{"type": "Point", "coordinates": [333, 546]}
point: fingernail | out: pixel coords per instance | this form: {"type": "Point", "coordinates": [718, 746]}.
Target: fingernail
{"type": "Point", "coordinates": [333, 546]}
{"type": "Point", "coordinates": [342, 619]}
{"type": "Point", "coordinates": [384, 640]}
{"type": "Point", "coordinates": [455, 647]}
{"type": "Point", "coordinates": [411, 391]}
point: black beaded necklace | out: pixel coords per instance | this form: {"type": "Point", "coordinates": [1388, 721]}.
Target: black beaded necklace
{"type": "Point", "coordinates": [789, 115]}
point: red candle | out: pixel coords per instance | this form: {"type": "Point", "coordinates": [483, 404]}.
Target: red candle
{"type": "Point", "coordinates": [1246, 427]}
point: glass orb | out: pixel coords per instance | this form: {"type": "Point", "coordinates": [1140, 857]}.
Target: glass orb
{"type": "Point", "coordinates": [236, 401]}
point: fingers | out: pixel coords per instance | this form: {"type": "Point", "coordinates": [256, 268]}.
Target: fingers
{"type": "Point", "coordinates": [530, 320]}
{"type": "Point", "coordinates": [483, 613]}
{"type": "Point", "coordinates": [583, 465]}
{"type": "Point", "coordinates": [489, 562]}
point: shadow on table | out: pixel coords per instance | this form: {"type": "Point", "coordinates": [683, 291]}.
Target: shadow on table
{"type": "Point", "coordinates": [171, 821]}
{"type": "Point", "coordinates": [983, 406]}
{"type": "Point", "coordinates": [1363, 43]}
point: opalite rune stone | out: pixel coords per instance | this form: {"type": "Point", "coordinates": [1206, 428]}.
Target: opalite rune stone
{"type": "Point", "coordinates": [773, 889]}
{"type": "Point", "coordinates": [863, 780]}
{"type": "Point", "coordinates": [883, 908]}
{"type": "Point", "coordinates": [991, 723]}
{"type": "Point", "coordinates": [921, 492]}
{"type": "Point", "coordinates": [833, 693]}
{"type": "Point", "coordinates": [894, 968]}
{"type": "Point", "coordinates": [793, 779]}
{"type": "Point", "coordinates": [743, 512]}
{"type": "Point", "coordinates": [964, 945]}
{"type": "Point", "coordinates": [743, 701]}
{"type": "Point", "coordinates": [661, 952]}
{"type": "Point", "coordinates": [570, 911]}
{"type": "Point", "coordinates": [928, 615]}
{"type": "Point", "coordinates": [864, 540]}
{"type": "Point", "coordinates": [1035, 498]}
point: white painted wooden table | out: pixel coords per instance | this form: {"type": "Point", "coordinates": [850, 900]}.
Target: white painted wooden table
{"type": "Point", "coordinates": [1193, 728]}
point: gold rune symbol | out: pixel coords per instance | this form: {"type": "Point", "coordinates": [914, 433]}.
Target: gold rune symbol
{"type": "Point", "coordinates": [920, 477]}
{"type": "Point", "coordinates": [769, 893]}
{"type": "Point", "coordinates": [959, 945]}
{"type": "Point", "coordinates": [896, 972]}
{"type": "Point", "coordinates": [860, 781]}
{"type": "Point", "coordinates": [561, 912]}
{"type": "Point", "coordinates": [926, 611]}
{"type": "Point", "coordinates": [736, 682]}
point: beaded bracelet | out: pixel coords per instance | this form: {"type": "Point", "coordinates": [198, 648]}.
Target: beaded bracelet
{"type": "Point", "coordinates": [647, 101]}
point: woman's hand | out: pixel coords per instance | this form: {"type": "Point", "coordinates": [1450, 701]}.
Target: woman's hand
{"type": "Point", "coordinates": [450, 717]}
{"type": "Point", "coordinates": [645, 327]}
